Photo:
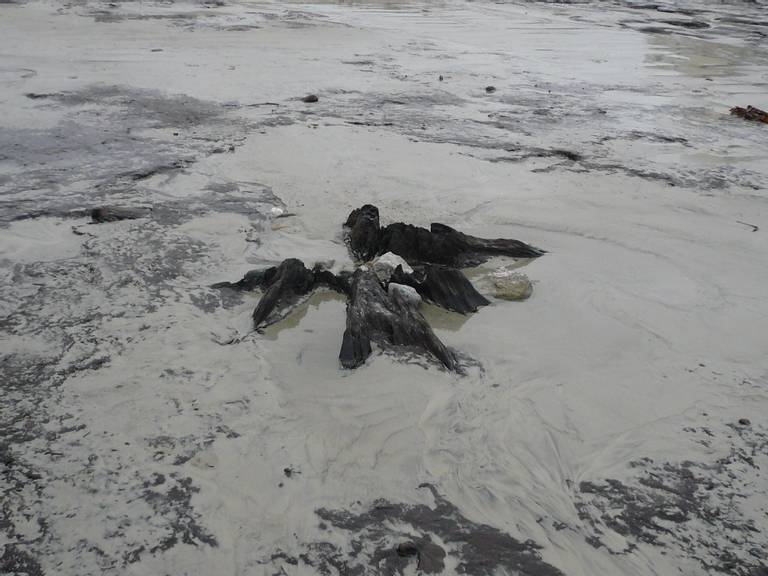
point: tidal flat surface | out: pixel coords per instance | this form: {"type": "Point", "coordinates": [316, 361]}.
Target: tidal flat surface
{"type": "Point", "coordinates": [613, 423]}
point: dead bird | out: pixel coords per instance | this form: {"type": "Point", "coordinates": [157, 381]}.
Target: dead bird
{"type": "Point", "coordinates": [750, 113]}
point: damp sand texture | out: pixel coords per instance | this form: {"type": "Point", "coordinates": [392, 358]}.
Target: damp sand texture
{"type": "Point", "coordinates": [611, 423]}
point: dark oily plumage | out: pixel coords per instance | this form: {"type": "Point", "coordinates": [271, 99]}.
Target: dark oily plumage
{"type": "Point", "coordinates": [287, 285]}
{"type": "Point", "coordinates": [446, 287]}
{"type": "Point", "coordinates": [257, 279]}
{"type": "Point", "coordinates": [252, 280]}
{"type": "Point", "coordinates": [363, 232]}
{"type": "Point", "coordinates": [372, 316]}
{"type": "Point", "coordinates": [284, 286]}
{"type": "Point", "coordinates": [440, 244]}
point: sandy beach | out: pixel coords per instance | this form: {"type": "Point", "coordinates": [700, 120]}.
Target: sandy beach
{"type": "Point", "coordinates": [611, 424]}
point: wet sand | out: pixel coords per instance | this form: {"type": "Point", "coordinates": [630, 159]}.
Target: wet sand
{"type": "Point", "coordinates": [613, 423]}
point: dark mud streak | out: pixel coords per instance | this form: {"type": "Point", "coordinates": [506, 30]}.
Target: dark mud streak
{"type": "Point", "coordinates": [16, 561]}
{"type": "Point", "coordinates": [378, 546]}
{"type": "Point", "coordinates": [64, 303]}
{"type": "Point", "coordinates": [647, 136]}
{"type": "Point", "coordinates": [694, 507]}
{"type": "Point", "coordinates": [17, 478]}
{"type": "Point", "coordinates": [182, 522]}
{"type": "Point", "coordinates": [103, 142]}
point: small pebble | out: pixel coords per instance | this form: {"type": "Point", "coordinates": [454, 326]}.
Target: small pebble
{"type": "Point", "coordinates": [440, 77]}
{"type": "Point", "coordinates": [744, 421]}
{"type": "Point", "coordinates": [310, 98]}
{"type": "Point", "coordinates": [490, 89]}
{"type": "Point", "coordinates": [407, 549]}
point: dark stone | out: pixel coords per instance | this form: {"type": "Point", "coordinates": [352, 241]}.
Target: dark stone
{"type": "Point", "coordinates": [116, 213]}
{"type": "Point", "coordinates": [490, 89]}
{"type": "Point", "coordinates": [407, 549]}
{"type": "Point", "coordinates": [310, 98]}
{"type": "Point", "coordinates": [744, 421]}
{"type": "Point", "coordinates": [446, 287]}
{"type": "Point", "coordinates": [372, 316]}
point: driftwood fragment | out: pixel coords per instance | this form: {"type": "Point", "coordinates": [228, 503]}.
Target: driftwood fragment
{"type": "Point", "coordinates": [372, 316]}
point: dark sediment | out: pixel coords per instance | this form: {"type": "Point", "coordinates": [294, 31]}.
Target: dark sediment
{"type": "Point", "coordinates": [388, 537]}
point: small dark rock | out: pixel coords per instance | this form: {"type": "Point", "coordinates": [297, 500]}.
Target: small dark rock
{"type": "Point", "coordinates": [490, 89]}
{"type": "Point", "coordinates": [440, 77]}
{"type": "Point", "coordinates": [744, 421]}
{"type": "Point", "coordinates": [406, 549]}
{"type": "Point", "coordinates": [310, 98]}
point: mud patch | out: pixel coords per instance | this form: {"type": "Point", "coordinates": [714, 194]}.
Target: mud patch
{"type": "Point", "coordinates": [708, 512]}
{"type": "Point", "coordinates": [15, 561]}
{"type": "Point", "coordinates": [174, 504]}
{"type": "Point", "coordinates": [111, 141]}
{"type": "Point", "coordinates": [389, 537]}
